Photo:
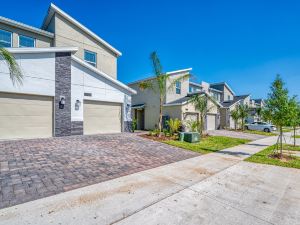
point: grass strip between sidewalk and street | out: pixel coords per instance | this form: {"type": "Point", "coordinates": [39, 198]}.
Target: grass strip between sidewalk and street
{"type": "Point", "coordinates": [264, 157]}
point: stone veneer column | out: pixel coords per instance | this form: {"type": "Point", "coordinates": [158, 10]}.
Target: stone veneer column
{"type": "Point", "coordinates": [62, 116]}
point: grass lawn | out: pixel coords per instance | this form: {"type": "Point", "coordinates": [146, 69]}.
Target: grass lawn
{"type": "Point", "coordinates": [208, 144]}
{"type": "Point", "coordinates": [263, 157]}
{"type": "Point", "coordinates": [287, 130]}
{"type": "Point", "coordinates": [260, 132]}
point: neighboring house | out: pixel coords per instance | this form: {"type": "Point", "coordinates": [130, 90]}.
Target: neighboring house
{"type": "Point", "coordinates": [224, 94]}
{"type": "Point", "coordinates": [70, 84]}
{"type": "Point", "coordinates": [145, 104]}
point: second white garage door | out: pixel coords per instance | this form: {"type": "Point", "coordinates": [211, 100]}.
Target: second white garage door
{"type": "Point", "coordinates": [211, 122]}
{"type": "Point", "coordinates": [102, 117]}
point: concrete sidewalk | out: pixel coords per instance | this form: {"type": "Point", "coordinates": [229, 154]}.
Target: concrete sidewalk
{"type": "Point", "coordinates": [216, 188]}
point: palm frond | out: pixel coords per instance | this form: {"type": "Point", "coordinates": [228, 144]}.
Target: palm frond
{"type": "Point", "coordinates": [157, 67]}
{"type": "Point", "coordinates": [174, 81]}
{"type": "Point", "coordinates": [146, 85]}
{"type": "Point", "coordinates": [15, 73]}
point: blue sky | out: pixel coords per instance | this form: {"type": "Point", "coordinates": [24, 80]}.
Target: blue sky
{"type": "Point", "coordinates": [245, 43]}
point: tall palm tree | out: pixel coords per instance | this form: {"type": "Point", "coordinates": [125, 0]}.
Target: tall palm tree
{"type": "Point", "coordinates": [13, 67]}
{"type": "Point", "coordinates": [200, 102]}
{"type": "Point", "coordinates": [235, 114]}
{"type": "Point", "coordinates": [160, 84]}
{"type": "Point", "coordinates": [259, 113]}
{"type": "Point", "coordinates": [244, 112]}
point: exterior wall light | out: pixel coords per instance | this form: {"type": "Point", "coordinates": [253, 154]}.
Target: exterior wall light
{"type": "Point", "coordinates": [62, 102]}
{"type": "Point", "coordinates": [77, 104]}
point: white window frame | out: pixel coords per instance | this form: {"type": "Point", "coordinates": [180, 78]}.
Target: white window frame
{"type": "Point", "coordinates": [34, 41]}
{"type": "Point", "coordinates": [11, 37]}
{"type": "Point", "coordinates": [90, 62]}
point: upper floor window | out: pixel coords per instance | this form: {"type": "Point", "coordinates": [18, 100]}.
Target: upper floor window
{"type": "Point", "coordinates": [178, 87]}
{"type": "Point", "coordinates": [25, 41]}
{"type": "Point", "coordinates": [228, 97]}
{"type": "Point", "coordinates": [216, 96]}
{"type": "Point", "coordinates": [191, 89]}
{"type": "Point", "coordinates": [5, 39]}
{"type": "Point", "coordinates": [90, 57]}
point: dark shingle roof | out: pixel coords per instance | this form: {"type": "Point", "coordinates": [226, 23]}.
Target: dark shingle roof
{"type": "Point", "coordinates": [229, 103]}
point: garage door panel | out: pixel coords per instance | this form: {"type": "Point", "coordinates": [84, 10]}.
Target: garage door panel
{"type": "Point", "coordinates": [25, 116]}
{"type": "Point", "coordinates": [102, 117]}
{"type": "Point", "coordinates": [211, 122]}
{"type": "Point", "coordinates": [24, 110]}
{"type": "Point", "coordinates": [25, 132]}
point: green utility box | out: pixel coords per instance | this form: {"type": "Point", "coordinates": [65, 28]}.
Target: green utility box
{"type": "Point", "coordinates": [191, 137]}
{"type": "Point", "coordinates": [181, 136]}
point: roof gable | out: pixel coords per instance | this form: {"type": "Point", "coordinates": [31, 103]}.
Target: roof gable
{"type": "Point", "coordinates": [54, 9]}
{"type": "Point", "coordinates": [23, 26]}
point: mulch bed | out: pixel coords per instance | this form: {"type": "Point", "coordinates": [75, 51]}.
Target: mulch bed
{"type": "Point", "coordinates": [155, 138]}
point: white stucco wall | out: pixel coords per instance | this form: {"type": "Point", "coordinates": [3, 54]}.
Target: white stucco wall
{"type": "Point", "coordinates": [86, 81]}
{"type": "Point", "coordinates": [38, 71]}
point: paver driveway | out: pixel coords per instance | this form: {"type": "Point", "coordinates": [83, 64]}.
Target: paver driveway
{"type": "Point", "coordinates": [32, 169]}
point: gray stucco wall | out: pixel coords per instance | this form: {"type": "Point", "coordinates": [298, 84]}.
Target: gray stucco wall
{"type": "Point", "coordinates": [67, 34]}
{"type": "Point", "coordinates": [62, 115]}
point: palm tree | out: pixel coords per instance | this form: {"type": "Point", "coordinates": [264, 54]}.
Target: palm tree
{"type": "Point", "coordinates": [201, 105]}
{"type": "Point", "coordinates": [259, 112]}
{"type": "Point", "coordinates": [244, 112]}
{"type": "Point", "coordinates": [235, 114]}
{"type": "Point", "coordinates": [14, 69]}
{"type": "Point", "coordinates": [160, 84]}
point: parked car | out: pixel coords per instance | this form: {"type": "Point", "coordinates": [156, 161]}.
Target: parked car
{"type": "Point", "coordinates": [262, 126]}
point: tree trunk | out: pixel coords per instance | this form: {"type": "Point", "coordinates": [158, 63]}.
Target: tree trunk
{"type": "Point", "coordinates": [242, 124]}
{"type": "Point", "coordinates": [201, 125]}
{"type": "Point", "coordinates": [281, 145]}
{"type": "Point", "coordinates": [235, 124]}
{"type": "Point", "coordinates": [294, 136]}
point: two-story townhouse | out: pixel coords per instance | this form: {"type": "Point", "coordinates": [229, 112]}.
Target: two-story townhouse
{"type": "Point", "coordinates": [224, 94]}
{"type": "Point", "coordinates": [70, 81]}
{"type": "Point", "coordinates": [145, 104]}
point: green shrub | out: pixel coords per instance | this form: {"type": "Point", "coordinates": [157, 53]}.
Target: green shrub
{"type": "Point", "coordinates": [174, 125]}
{"type": "Point", "coordinates": [192, 125]}
{"type": "Point", "coordinates": [134, 125]}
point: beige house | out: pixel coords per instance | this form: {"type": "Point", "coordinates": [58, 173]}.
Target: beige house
{"type": "Point", "coordinates": [145, 104]}
{"type": "Point", "coordinates": [229, 101]}
{"type": "Point", "coordinates": [70, 84]}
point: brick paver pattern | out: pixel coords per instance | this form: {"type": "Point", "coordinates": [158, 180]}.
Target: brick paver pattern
{"type": "Point", "coordinates": [37, 168]}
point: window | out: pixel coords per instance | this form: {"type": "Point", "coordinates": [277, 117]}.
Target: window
{"type": "Point", "coordinates": [191, 89]}
{"type": "Point", "coordinates": [228, 97]}
{"type": "Point", "coordinates": [178, 87]}
{"type": "Point", "coordinates": [25, 41]}
{"type": "Point", "coordinates": [216, 96]}
{"type": "Point", "coordinates": [5, 39]}
{"type": "Point", "coordinates": [90, 57]}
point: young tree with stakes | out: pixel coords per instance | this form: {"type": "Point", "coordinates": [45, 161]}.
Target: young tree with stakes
{"type": "Point", "coordinates": [294, 115]}
{"type": "Point", "coordinates": [160, 84]}
{"type": "Point", "coordinates": [277, 107]}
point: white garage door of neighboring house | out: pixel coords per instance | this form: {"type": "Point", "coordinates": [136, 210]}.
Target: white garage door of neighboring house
{"type": "Point", "coordinates": [102, 117]}
{"type": "Point", "coordinates": [211, 122]}
{"type": "Point", "coordinates": [25, 116]}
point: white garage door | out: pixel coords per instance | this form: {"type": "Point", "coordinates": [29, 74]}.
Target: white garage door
{"type": "Point", "coordinates": [25, 116]}
{"type": "Point", "coordinates": [211, 122]}
{"type": "Point", "coordinates": [102, 117]}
